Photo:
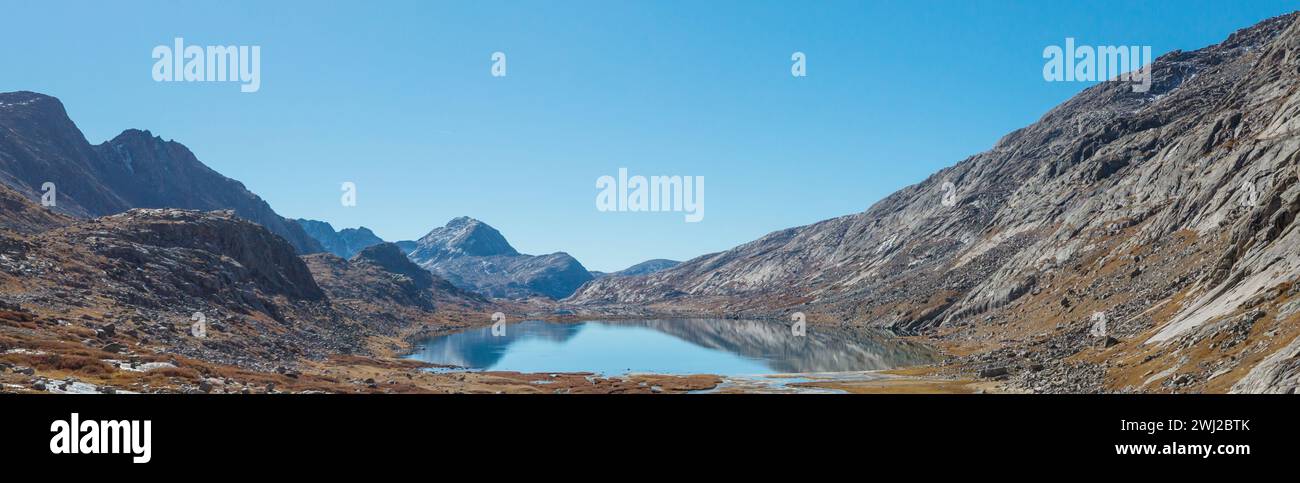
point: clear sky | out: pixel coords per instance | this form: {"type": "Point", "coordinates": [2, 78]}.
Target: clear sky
{"type": "Point", "coordinates": [398, 97]}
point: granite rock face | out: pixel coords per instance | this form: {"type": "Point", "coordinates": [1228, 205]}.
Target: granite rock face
{"type": "Point", "coordinates": [200, 253]}
{"type": "Point", "coordinates": [388, 257]}
{"type": "Point", "coordinates": [146, 275]}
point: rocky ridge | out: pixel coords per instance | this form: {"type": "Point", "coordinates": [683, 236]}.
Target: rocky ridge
{"type": "Point", "coordinates": [644, 268]}
{"type": "Point", "coordinates": [344, 243]}
{"type": "Point", "coordinates": [136, 169]}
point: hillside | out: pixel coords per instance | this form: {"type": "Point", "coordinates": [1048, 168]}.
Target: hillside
{"type": "Point", "coordinates": [1169, 212]}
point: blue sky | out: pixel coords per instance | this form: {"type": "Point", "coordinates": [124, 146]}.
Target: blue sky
{"type": "Point", "coordinates": [398, 98]}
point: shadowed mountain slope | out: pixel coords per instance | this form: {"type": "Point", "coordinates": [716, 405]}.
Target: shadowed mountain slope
{"type": "Point", "coordinates": [40, 144]}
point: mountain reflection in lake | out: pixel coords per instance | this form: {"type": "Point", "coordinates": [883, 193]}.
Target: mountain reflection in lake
{"type": "Point", "coordinates": [676, 346]}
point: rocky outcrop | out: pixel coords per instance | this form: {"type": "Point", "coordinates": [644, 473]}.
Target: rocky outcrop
{"type": "Point", "coordinates": [380, 283]}
{"type": "Point", "coordinates": [345, 243]}
{"type": "Point", "coordinates": [388, 257]}
{"type": "Point", "coordinates": [138, 281]}
{"type": "Point", "coordinates": [1279, 373]}
{"type": "Point", "coordinates": [476, 257]}
{"type": "Point", "coordinates": [213, 254]}
{"type": "Point", "coordinates": [368, 279]}
{"type": "Point", "coordinates": [133, 170]}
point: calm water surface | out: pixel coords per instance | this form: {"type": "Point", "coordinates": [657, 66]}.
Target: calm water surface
{"type": "Point", "coordinates": [670, 346]}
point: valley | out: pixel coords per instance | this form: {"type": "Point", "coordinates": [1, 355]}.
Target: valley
{"type": "Point", "coordinates": [1127, 242]}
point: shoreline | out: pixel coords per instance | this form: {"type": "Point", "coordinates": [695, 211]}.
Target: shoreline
{"type": "Point", "coordinates": [915, 379]}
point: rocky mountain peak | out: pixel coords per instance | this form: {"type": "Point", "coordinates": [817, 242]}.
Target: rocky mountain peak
{"type": "Point", "coordinates": [462, 236]}
{"type": "Point", "coordinates": [476, 257]}
{"type": "Point", "coordinates": [359, 231]}
{"type": "Point", "coordinates": [32, 104]}
{"type": "Point", "coordinates": [138, 135]}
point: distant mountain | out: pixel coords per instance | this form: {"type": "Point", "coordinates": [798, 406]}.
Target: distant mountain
{"type": "Point", "coordinates": [463, 236]}
{"type": "Point", "coordinates": [646, 267]}
{"type": "Point", "coordinates": [475, 256]}
{"type": "Point", "coordinates": [344, 243]}
{"type": "Point", "coordinates": [136, 169]}
{"type": "Point", "coordinates": [407, 246]}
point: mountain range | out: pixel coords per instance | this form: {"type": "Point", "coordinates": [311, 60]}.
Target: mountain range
{"type": "Point", "coordinates": [344, 243]}
{"type": "Point", "coordinates": [143, 242]}
{"type": "Point", "coordinates": [1125, 242]}
{"type": "Point", "coordinates": [136, 169]}
{"type": "Point", "coordinates": [475, 257]}
{"type": "Point", "coordinates": [139, 170]}
{"type": "Point", "coordinates": [1164, 217]}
